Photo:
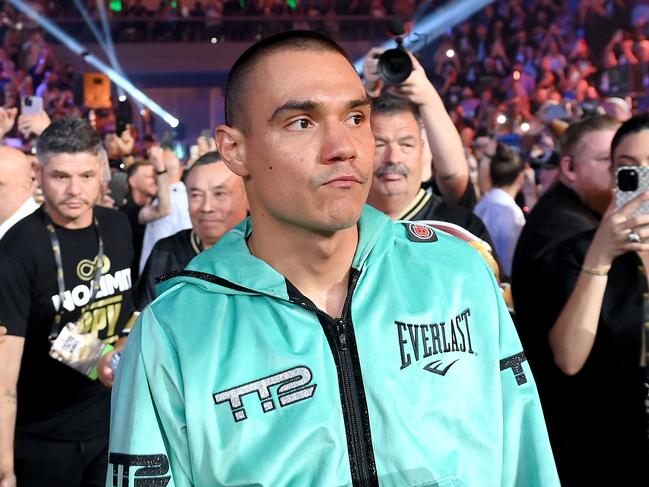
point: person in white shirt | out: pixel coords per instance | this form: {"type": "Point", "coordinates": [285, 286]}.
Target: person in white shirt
{"type": "Point", "coordinates": [178, 219]}
{"type": "Point", "coordinates": [16, 188]}
{"type": "Point", "coordinates": [498, 210]}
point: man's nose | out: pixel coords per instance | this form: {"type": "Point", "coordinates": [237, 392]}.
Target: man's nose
{"type": "Point", "coordinates": [338, 144]}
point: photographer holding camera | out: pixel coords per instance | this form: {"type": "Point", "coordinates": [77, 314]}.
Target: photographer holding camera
{"type": "Point", "coordinates": [451, 171]}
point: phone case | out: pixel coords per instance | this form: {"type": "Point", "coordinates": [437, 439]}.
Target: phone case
{"type": "Point", "coordinates": [623, 197]}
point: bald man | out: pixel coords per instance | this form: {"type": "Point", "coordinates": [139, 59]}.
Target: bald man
{"type": "Point", "coordinates": [16, 184]}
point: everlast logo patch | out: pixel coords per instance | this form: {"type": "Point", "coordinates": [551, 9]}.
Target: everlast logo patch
{"type": "Point", "coordinates": [293, 387]}
{"type": "Point", "coordinates": [151, 471]}
{"type": "Point", "coordinates": [420, 341]}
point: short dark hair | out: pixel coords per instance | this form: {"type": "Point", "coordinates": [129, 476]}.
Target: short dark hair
{"type": "Point", "coordinates": [578, 130]}
{"type": "Point", "coordinates": [631, 126]}
{"type": "Point", "coordinates": [132, 169]}
{"type": "Point", "coordinates": [505, 166]}
{"type": "Point", "coordinates": [70, 135]}
{"type": "Point", "coordinates": [235, 87]}
{"type": "Point", "coordinates": [389, 105]}
{"type": "Point", "coordinates": [211, 157]}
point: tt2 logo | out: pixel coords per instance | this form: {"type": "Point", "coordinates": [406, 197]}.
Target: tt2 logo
{"type": "Point", "coordinates": [293, 387]}
{"type": "Point", "coordinates": [151, 471]}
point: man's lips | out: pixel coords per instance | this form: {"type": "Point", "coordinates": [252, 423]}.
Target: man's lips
{"type": "Point", "coordinates": [344, 181]}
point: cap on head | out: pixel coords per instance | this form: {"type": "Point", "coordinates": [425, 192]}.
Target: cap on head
{"type": "Point", "coordinates": [235, 88]}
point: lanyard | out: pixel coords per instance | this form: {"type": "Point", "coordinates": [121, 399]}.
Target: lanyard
{"type": "Point", "coordinates": [56, 249]}
{"type": "Point", "coordinates": [197, 247]}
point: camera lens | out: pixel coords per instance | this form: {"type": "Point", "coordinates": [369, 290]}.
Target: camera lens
{"type": "Point", "coordinates": [394, 66]}
{"type": "Point", "coordinates": [627, 179]}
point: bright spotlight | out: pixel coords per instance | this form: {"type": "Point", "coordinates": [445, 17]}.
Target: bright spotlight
{"type": "Point", "coordinates": [122, 98]}
{"type": "Point", "coordinates": [501, 119]}
{"type": "Point", "coordinates": [525, 127]}
{"type": "Point", "coordinates": [214, 40]}
{"type": "Point", "coordinates": [450, 53]}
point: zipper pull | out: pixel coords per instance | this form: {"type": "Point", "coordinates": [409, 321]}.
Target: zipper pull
{"type": "Point", "coordinates": [342, 337]}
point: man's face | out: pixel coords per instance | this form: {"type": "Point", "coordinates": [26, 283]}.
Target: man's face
{"type": "Point", "coordinates": [71, 184]}
{"type": "Point", "coordinates": [593, 169]}
{"type": "Point", "coordinates": [217, 201]}
{"type": "Point", "coordinates": [143, 180]}
{"type": "Point", "coordinates": [398, 155]}
{"type": "Point", "coordinates": [633, 150]}
{"type": "Point", "coordinates": [308, 145]}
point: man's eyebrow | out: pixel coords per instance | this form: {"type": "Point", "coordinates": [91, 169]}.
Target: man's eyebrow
{"type": "Point", "coordinates": [293, 105]}
{"type": "Point", "coordinates": [309, 105]}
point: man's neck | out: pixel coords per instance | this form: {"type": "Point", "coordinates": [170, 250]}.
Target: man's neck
{"type": "Point", "coordinates": [392, 205]}
{"type": "Point", "coordinates": [512, 190]}
{"type": "Point", "coordinates": [140, 198]}
{"type": "Point", "coordinates": [316, 264]}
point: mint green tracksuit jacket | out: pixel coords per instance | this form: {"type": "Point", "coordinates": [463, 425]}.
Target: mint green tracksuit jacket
{"type": "Point", "coordinates": [233, 378]}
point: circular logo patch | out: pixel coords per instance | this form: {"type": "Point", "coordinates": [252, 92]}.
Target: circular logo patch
{"type": "Point", "coordinates": [421, 233]}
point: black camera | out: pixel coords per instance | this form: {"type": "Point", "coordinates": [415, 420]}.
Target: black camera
{"type": "Point", "coordinates": [395, 64]}
{"type": "Point", "coordinates": [627, 179]}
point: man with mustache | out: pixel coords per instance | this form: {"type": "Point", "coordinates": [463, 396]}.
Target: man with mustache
{"type": "Point", "coordinates": [398, 164]}
{"type": "Point", "coordinates": [217, 202]}
{"type": "Point", "coordinates": [66, 266]}
{"type": "Point", "coordinates": [320, 343]}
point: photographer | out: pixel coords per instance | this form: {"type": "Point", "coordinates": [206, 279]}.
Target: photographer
{"type": "Point", "coordinates": [451, 171]}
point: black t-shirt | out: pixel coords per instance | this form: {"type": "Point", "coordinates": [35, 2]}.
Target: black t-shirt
{"type": "Point", "coordinates": [468, 199]}
{"type": "Point", "coordinates": [53, 399]}
{"type": "Point", "coordinates": [132, 211]}
{"type": "Point", "coordinates": [596, 417]}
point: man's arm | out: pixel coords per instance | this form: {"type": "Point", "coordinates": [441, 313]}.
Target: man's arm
{"type": "Point", "coordinates": [449, 162]}
{"type": "Point", "coordinates": [148, 424]}
{"type": "Point", "coordinates": [573, 334]}
{"type": "Point", "coordinates": [162, 208]}
{"type": "Point", "coordinates": [11, 351]}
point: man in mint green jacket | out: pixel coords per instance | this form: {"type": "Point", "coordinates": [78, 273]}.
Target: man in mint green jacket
{"type": "Point", "coordinates": [319, 343]}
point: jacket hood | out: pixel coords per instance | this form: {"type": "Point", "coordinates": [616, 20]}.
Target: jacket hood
{"type": "Point", "coordinates": [228, 267]}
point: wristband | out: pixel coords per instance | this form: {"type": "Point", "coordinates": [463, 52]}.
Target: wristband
{"type": "Point", "coordinates": [160, 172]}
{"type": "Point", "coordinates": [594, 271]}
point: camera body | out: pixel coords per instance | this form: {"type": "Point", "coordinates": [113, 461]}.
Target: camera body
{"type": "Point", "coordinates": [632, 181]}
{"type": "Point", "coordinates": [395, 64]}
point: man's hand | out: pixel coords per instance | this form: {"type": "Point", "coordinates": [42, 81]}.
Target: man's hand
{"type": "Point", "coordinates": [157, 158]}
{"type": "Point", "coordinates": [7, 120]}
{"type": "Point", "coordinates": [373, 81]}
{"type": "Point", "coordinates": [33, 123]}
{"type": "Point", "coordinates": [7, 479]}
{"type": "Point", "coordinates": [105, 373]}
{"type": "Point", "coordinates": [417, 88]}
{"type": "Point", "coordinates": [205, 145]}
{"type": "Point", "coordinates": [126, 142]}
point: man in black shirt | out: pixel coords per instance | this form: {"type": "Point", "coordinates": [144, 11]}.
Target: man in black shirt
{"type": "Point", "coordinates": [68, 262]}
{"type": "Point", "coordinates": [146, 180]}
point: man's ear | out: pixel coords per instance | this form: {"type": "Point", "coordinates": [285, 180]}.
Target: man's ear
{"type": "Point", "coordinates": [231, 146]}
{"type": "Point", "coordinates": [567, 167]}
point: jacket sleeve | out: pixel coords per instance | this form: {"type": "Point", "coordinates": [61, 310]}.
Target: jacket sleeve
{"type": "Point", "coordinates": [527, 456]}
{"type": "Point", "coordinates": [148, 436]}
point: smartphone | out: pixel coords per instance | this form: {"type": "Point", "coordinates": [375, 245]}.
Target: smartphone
{"type": "Point", "coordinates": [630, 182]}
{"type": "Point", "coordinates": [121, 124]}
{"type": "Point", "coordinates": [31, 104]}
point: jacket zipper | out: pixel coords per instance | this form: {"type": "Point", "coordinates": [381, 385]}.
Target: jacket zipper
{"type": "Point", "coordinates": [363, 468]}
